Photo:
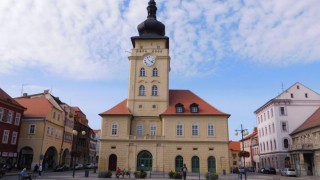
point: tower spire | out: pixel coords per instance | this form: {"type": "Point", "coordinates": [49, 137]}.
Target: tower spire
{"type": "Point", "coordinates": [152, 9]}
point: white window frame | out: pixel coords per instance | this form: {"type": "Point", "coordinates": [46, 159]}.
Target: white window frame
{"type": "Point", "coordinates": [284, 112]}
{"type": "Point", "coordinates": [5, 136]}
{"type": "Point", "coordinates": [179, 129]}
{"type": "Point", "coordinates": [14, 137]}
{"type": "Point", "coordinates": [153, 130]}
{"type": "Point", "coordinates": [114, 129]}
{"type": "Point", "coordinates": [17, 119]}
{"type": "Point", "coordinates": [32, 130]}
{"type": "Point", "coordinates": [10, 116]}
{"type": "Point", "coordinates": [142, 72]}
{"type": "Point", "coordinates": [155, 72]}
{"type": "Point", "coordinates": [179, 109]}
{"type": "Point", "coordinates": [142, 90]}
{"type": "Point", "coordinates": [1, 113]}
{"type": "Point", "coordinates": [195, 129]}
{"type": "Point", "coordinates": [154, 91]}
{"type": "Point", "coordinates": [286, 126]}
{"type": "Point", "coordinates": [139, 129]}
{"type": "Point", "coordinates": [211, 130]}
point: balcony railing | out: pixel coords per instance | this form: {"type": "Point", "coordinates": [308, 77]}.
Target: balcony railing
{"type": "Point", "coordinates": [147, 137]}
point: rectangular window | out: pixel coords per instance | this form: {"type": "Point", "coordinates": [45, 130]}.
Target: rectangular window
{"type": "Point", "coordinates": [54, 115]}
{"type": "Point", "coordinates": [269, 129]}
{"type": "Point", "coordinates": [210, 130]}
{"type": "Point", "coordinates": [266, 130]}
{"type": "Point", "coordinates": [284, 126]}
{"type": "Point", "coordinates": [273, 129]}
{"type": "Point", "coordinates": [306, 95]}
{"type": "Point", "coordinates": [5, 136]}
{"type": "Point", "coordinates": [32, 129]}
{"type": "Point", "coordinates": [194, 109]}
{"type": "Point", "coordinates": [114, 129]}
{"type": "Point", "coordinates": [9, 117]}
{"type": "Point", "coordinates": [17, 120]}
{"type": "Point", "coordinates": [139, 130]}
{"type": "Point", "coordinates": [153, 130]}
{"type": "Point", "coordinates": [179, 109]}
{"type": "Point", "coordinates": [14, 137]}
{"type": "Point", "coordinates": [1, 113]}
{"type": "Point", "coordinates": [282, 111]}
{"type": "Point", "coordinates": [271, 112]}
{"type": "Point", "coordinates": [195, 130]}
{"type": "Point", "coordinates": [179, 130]}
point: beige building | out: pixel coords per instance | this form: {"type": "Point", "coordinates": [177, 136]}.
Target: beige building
{"type": "Point", "coordinates": [41, 134]}
{"type": "Point", "coordinates": [157, 129]}
{"type": "Point", "coordinates": [305, 148]}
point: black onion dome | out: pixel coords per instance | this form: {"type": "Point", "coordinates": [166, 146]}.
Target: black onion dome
{"type": "Point", "coordinates": [151, 27]}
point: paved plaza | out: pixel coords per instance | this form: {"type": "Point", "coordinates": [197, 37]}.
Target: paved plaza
{"type": "Point", "coordinates": [80, 175]}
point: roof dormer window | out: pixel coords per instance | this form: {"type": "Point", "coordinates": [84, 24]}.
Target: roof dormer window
{"type": "Point", "coordinates": [179, 108]}
{"type": "Point", "coordinates": [194, 108]}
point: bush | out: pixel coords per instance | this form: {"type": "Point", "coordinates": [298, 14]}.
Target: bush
{"type": "Point", "coordinates": [175, 175]}
{"type": "Point", "coordinates": [209, 175]}
{"type": "Point", "coordinates": [105, 174]}
{"type": "Point", "coordinates": [140, 174]}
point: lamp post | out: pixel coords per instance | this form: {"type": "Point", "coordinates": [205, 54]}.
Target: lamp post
{"type": "Point", "coordinates": [243, 132]}
{"type": "Point", "coordinates": [75, 134]}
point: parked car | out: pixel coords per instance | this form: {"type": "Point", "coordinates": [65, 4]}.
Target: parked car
{"type": "Point", "coordinates": [241, 170]}
{"type": "Point", "coordinates": [251, 169]}
{"type": "Point", "coordinates": [260, 170]}
{"type": "Point", "coordinates": [272, 170]}
{"type": "Point", "coordinates": [283, 171]}
{"type": "Point", "coordinates": [89, 166]}
{"type": "Point", "coordinates": [291, 172]}
{"type": "Point", "coordinates": [78, 166]}
{"type": "Point", "coordinates": [62, 167]}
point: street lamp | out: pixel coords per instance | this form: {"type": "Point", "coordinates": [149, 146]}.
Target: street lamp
{"type": "Point", "coordinates": [243, 132]}
{"type": "Point", "coordinates": [75, 134]}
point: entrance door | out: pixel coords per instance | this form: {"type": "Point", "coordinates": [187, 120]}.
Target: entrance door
{"type": "Point", "coordinates": [112, 162]}
{"type": "Point", "coordinates": [144, 161]}
{"type": "Point", "coordinates": [195, 164]}
{"type": "Point", "coordinates": [211, 164]}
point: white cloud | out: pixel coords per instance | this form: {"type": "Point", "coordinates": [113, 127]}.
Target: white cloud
{"type": "Point", "coordinates": [82, 39]}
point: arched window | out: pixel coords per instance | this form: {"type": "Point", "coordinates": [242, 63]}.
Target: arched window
{"type": "Point", "coordinates": [211, 164]}
{"type": "Point", "coordinates": [114, 129]}
{"type": "Point", "coordinates": [154, 90]}
{"type": "Point", "coordinates": [179, 163]}
{"type": "Point", "coordinates": [179, 129]}
{"type": "Point", "coordinates": [195, 164]}
{"type": "Point", "coordinates": [139, 129]}
{"type": "Point", "coordinates": [155, 72]}
{"type": "Point", "coordinates": [275, 145]}
{"type": "Point", "coordinates": [195, 129]}
{"type": "Point", "coordinates": [142, 91]}
{"type": "Point", "coordinates": [144, 161]}
{"type": "Point", "coordinates": [286, 143]}
{"type": "Point", "coordinates": [142, 72]}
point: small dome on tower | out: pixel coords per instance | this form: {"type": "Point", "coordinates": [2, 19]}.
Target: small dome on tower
{"type": "Point", "coordinates": [151, 26]}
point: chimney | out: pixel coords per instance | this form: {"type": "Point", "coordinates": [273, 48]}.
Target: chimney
{"type": "Point", "coordinates": [46, 91]}
{"type": "Point", "coordinates": [25, 94]}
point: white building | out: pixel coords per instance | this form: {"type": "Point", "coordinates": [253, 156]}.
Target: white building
{"type": "Point", "coordinates": [280, 116]}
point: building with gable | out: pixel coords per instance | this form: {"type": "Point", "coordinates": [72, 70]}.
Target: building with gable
{"type": "Point", "coordinates": [10, 120]}
{"type": "Point", "coordinates": [279, 117]}
{"type": "Point", "coordinates": [305, 148]}
{"type": "Point", "coordinates": [156, 128]}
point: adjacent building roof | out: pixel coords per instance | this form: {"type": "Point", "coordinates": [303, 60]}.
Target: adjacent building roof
{"type": "Point", "coordinates": [250, 136]}
{"type": "Point", "coordinates": [36, 107]}
{"type": "Point", "coordinates": [4, 97]}
{"type": "Point", "coordinates": [312, 122]}
{"type": "Point", "coordinates": [234, 146]}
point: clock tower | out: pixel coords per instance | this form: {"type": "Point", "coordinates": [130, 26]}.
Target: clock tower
{"type": "Point", "coordinates": [149, 67]}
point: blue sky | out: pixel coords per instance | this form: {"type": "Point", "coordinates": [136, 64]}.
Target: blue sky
{"type": "Point", "coordinates": [234, 54]}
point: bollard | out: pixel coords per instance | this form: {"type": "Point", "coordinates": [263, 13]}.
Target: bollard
{"type": "Point", "coordinates": [86, 172]}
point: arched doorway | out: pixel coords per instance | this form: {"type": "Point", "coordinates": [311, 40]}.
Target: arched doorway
{"type": "Point", "coordinates": [179, 163]}
{"type": "Point", "coordinates": [25, 158]}
{"type": "Point", "coordinates": [66, 157]}
{"type": "Point", "coordinates": [211, 164]}
{"type": "Point", "coordinates": [50, 159]}
{"type": "Point", "coordinates": [195, 164]}
{"type": "Point", "coordinates": [144, 161]}
{"type": "Point", "coordinates": [112, 162]}
{"type": "Point", "coordinates": [287, 162]}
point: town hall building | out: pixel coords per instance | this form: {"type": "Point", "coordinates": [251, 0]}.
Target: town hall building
{"type": "Point", "coordinates": [157, 128]}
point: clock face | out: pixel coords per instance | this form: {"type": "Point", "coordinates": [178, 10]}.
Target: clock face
{"type": "Point", "coordinates": [149, 60]}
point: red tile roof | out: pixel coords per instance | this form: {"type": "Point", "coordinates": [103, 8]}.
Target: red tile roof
{"type": "Point", "coordinates": [187, 97]}
{"type": "Point", "coordinates": [234, 146]}
{"type": "Point", "coordinates": [8, 99]}
{"type": "Point", "coordinates": [312, 122]}
{"type": "Point", "coordinates": [119, 109]}
{"type": "Point", "coordinates": [184, 97]}
{"type": "Point", "coordinates": [36, 107]}
{"type": "Point", "coordinates": [252, 135]}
